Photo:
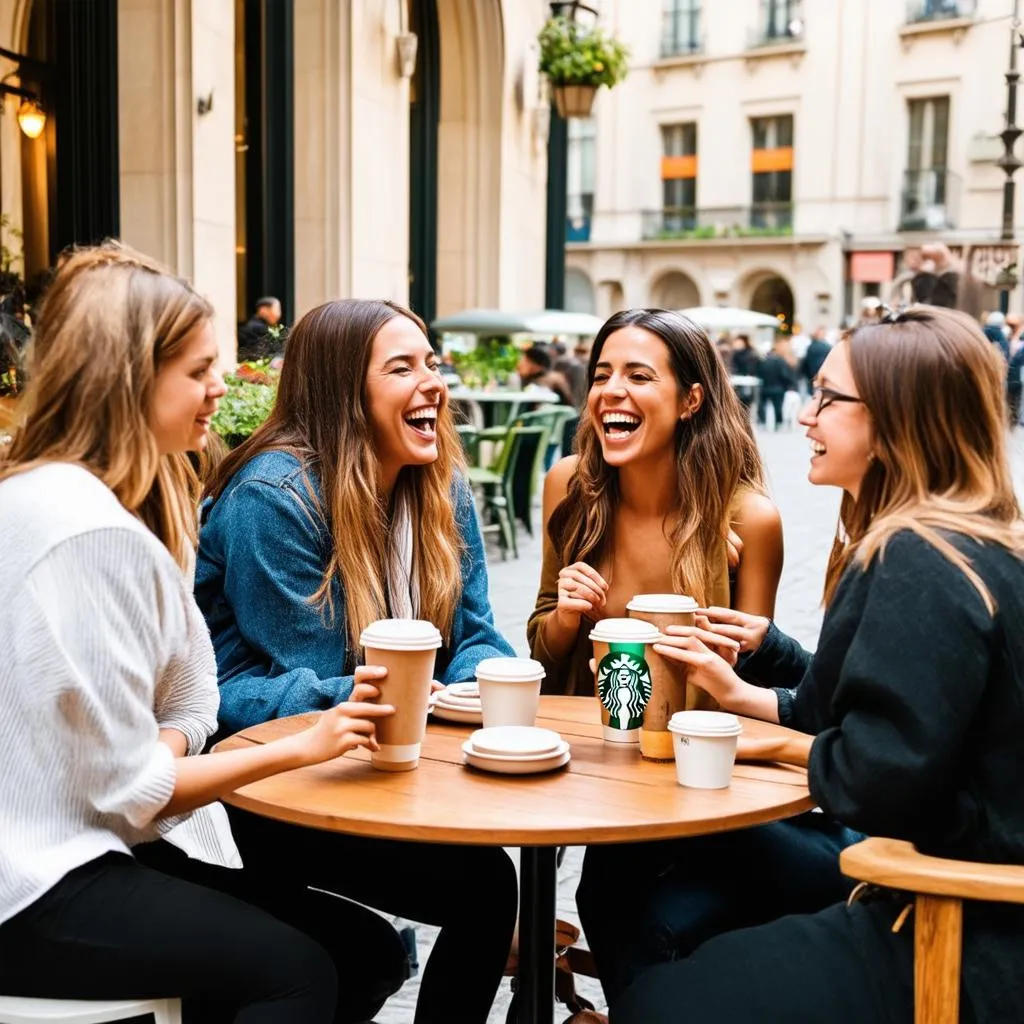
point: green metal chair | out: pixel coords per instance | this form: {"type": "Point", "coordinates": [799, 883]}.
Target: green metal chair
{"type": "Point", "coordinates": [498, 485]}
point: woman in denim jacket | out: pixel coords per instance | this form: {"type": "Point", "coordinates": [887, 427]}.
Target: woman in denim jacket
{"type": "Point", "coordinates": [348, 506]}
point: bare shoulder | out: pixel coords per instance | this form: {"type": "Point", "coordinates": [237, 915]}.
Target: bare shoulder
{"type": "Point", "coordinates": [556, 483]}
{"type": "Point", "coordinates": [755, 516]}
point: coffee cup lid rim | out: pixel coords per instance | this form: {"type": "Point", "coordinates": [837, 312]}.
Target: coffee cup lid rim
{"type": "Point", "coordinates": [401, 635]}
{"type": "Point", "coordinates": [510, 670]}
{"type": "Point", "coordinates": [625, 631]}
{"type": "Point", "coordinates": [662, 603]}
{"type": "Point", "coordinates": [705, 723]}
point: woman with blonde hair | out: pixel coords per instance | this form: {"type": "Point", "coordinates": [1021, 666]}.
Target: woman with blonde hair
{"type": "Point", "coordinates": [348, 505]}
{"type": "Point", "coordinates": [913, 705]}
{"type": "Point", "coordinates": [110, 885]}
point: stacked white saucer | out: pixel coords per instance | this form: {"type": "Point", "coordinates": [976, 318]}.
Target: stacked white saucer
{"type": "Point", "coordinates": [516, 750]}
{"type": "Point", "coordinates": [458, 702]}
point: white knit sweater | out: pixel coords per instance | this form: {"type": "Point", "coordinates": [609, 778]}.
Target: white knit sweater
{"type": "Point", "coordinates": [103, 646]}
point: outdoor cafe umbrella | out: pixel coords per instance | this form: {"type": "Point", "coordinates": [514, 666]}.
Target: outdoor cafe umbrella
{"type": "Point", "coordinates": [728, 318]}
{"type": "Point", "coordinates": [496, 321]}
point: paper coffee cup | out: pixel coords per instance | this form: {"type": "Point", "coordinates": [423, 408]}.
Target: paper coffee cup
{"type": "Point", "coordinates": [621, 650]}
{"type": "Point", "coordinates": [509, 690]}
{"type": "Point", "coordinates": [705, 747]}
{"type": "Point", "coordinates": [406, 648]}
{"type": "Point", "coordinates": [669, 690]}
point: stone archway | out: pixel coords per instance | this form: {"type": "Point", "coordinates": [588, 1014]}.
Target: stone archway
{"type": "Point", "coordinates": [773, 295]}
{"type": "Point", "coordinates": [579, 292]}
{"type": "Point", "coordinates": [469, 153]}
{"type": "Point", "coordinates": [675, 290]}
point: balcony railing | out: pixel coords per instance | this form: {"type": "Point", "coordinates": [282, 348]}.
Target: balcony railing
{"type": "Point", "coordinates": [780, 21]}
{"type": "Point", "coordinates": [680, 33]}
{"type": "Point", "coordinates": [929, 200]}
{"type": "Point", "coordinates": [939, 10]}
{"type": "Point", "coordinates": [687, 223]}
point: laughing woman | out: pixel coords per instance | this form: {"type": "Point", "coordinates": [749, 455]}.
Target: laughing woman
{"type": "Point", "coordinates": [347, 506]}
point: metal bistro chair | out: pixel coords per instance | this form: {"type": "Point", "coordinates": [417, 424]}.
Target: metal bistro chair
{"type": "Point", "coordinates": [498, 485]}
{"type": "Point", "coordinates": [18, 1010]}
{"type": "Point", "coordinates": [556, 418]}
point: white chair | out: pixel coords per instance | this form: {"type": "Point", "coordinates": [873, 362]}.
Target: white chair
{"type": "Point", "coordinates": [15, 1010]}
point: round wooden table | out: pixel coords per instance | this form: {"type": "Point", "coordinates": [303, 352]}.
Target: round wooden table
{"type": "Point", "coordinates": [606, 794]}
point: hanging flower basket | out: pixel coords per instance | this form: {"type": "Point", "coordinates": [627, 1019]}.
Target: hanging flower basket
{"type": "Point", "coordinates": [578, 60]}
{"type": "Point", "coordinates": [575, 100]}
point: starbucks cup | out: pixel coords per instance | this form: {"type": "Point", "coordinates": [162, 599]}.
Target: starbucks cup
{"type": "Point", "coordinates": [705, 747]}
{"type": "Point", "coordinates": [509, 690]}
{"type": "Point", "coordinates": [669, 690]}
{"type": "Point", "coordinates": [406, 648]}
{"type": "Point", "coordinates": [621, 652]}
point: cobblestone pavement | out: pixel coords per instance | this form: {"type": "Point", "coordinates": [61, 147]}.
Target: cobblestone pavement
{"type": "Point", "coordinates": [809, 518]}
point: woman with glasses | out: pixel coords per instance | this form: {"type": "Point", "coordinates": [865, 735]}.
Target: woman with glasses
{"type": "Point", "coordinates": [912, 708]}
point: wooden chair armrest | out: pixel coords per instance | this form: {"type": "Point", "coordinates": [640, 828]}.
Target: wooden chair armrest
{"type": "Point", "coordinates": [897, 865]}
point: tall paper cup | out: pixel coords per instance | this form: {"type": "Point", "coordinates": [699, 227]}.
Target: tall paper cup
{"type": "Point", "coordinates": [406, 648]}
{"type": "Point", "coordinates": [669, 690]}
{"type": "Point", "coordinates": [509, 690]}
{"type": "Point", "coordinates": [705, 747]}
{"type": "Point", "coordinates": [621, 651]}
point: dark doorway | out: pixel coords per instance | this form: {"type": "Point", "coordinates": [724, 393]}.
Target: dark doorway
{"type": "Point", "coordinates": [424, 117]}
{"type": "Point", "coordinates": [774, 297]}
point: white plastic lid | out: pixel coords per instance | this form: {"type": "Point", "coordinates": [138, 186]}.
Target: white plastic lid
{"type": "Point", "coordinates": [511, 740]}
{"type": "Point", "coordinates": [705, 723]}
{"type": "Point", "coordinates": [662, 603]}
{"type": "Point", "coordinates": [401, 635]}
{"type": "Point", "coordinates": [510, 670]}
{"type": "Point", "coordinates": [625, 631]}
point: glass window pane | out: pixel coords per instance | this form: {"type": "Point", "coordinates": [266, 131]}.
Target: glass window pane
{"type": "Point", "coordinates": [784, 131]}
{"type": "Point", "coordinates": [759, 125]}
{"type": "Point", "coordinates": [940, 138]}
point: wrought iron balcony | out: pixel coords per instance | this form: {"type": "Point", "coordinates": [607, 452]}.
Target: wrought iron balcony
{"type": "Point", "coordinates": [680, 33]}
{"type": "Point", "coordinates": [939, 10]}
{"type": "Point", "coordinates": [930, 200]}
{"type": "Point", "coordinates": [687, 223]}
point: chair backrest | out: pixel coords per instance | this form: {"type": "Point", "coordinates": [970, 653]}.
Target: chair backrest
{"type": "Point", "coordinates": [526, 447]}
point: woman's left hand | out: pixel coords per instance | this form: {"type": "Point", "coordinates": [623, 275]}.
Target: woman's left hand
{"type": "Point", "coordinates": [708, 670]}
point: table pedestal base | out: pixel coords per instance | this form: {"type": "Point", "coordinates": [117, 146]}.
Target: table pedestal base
{"type": "Point", "coordinates": [537, 887]}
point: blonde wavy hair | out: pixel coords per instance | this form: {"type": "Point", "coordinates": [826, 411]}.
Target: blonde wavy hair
{"type": "Point", "coordinates": [714, 454]}
{"type": "Point", "coordinates": [322, 418]}
{"type": "Point", "coordinates": [111, 318]}
{"type": "Point", "coordinates": [934, 387]}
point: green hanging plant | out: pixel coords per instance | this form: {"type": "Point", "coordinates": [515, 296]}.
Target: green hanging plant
{"type": "Point", "coordinates": [572, 54]}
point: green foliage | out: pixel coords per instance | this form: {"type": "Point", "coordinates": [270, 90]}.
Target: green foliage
{"type": "Point", "coordinates": [492, 359]}
{"type": "Point", "coordinates": [706, 231]}
{"type": "Point", "coordinates": [572, 54]}
{"type": "Point", "coordinates": [245, 406]}
{"type": "Point", "coordinates": [8, 256]}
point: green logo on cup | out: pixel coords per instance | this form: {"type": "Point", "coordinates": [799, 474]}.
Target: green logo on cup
{"type": "Point", "coordinates": [624, 685]}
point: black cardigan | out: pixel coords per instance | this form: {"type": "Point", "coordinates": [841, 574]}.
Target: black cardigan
{"type": "Point", "coordinates": [915, 697]}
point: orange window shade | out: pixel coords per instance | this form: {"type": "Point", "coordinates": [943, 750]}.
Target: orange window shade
{"type": "Point", "coordinates": [772, 160]}
{"type": "Point", "coordinates": [673, 167]}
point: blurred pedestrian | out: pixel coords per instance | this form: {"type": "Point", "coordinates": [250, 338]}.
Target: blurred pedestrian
{"type": "Point", "coordinates": [995, 331]}
{"type": "Point", "coordinates": [256, 340]}
{"type": "Point", "coordinates": [534, 367]}
{"type": "Point", "coordinates": [777, 377]}
{"type": "Point", "coordinates": [816, 354]}
{"type": "Point", "coordinates": [573, 370]}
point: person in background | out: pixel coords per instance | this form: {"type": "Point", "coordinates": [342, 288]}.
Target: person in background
{"type": "Point", "coordinates": [1015, 385]}
{"type": "Point", "coordinates": [746, 362]}
{"type": "Point", "coordinates": [573, 370]}
{"type": "Point", "coordinates": [255, 339]}
{"type": "Point", "coordinates": [724, 347]}
{"type": "Point", "coordinates": [870, 310]}
{"type": "Point", "coordinates": [995, 331]}
{"type": "Point", "coordinates": [534, 367]}
{"type": "Point", "coordinates": [777, 377]}
{"type": "Point", "coordinates": [816, 354]}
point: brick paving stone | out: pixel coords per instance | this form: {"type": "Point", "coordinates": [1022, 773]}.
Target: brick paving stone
{"type": "Point", "coordinates": [809, 518]}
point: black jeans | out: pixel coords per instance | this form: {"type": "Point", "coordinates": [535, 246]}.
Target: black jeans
{"type": "Point", "coordinates": [470, 892]}
{"type": "Point", "coordinates": [117, 929]}
{"type": "Point", "coordinates": [774, 397]}
{"type": "Point", "coordinates": [679, 893]}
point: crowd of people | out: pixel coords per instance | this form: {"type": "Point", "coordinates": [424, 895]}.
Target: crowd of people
{"type": "Point", "coordinates": [157, 600]}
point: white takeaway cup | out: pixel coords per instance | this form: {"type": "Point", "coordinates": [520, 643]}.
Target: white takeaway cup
{"type": "Point", "coordinates": [623, 675]}
{"type": "Point", "coordinates": [509, 690]}
{"type": "Point", "coordinates": [705, 747]}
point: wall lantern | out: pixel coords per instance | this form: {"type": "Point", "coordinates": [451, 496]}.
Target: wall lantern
{"type": "Point", "coordinates": [31, 118]}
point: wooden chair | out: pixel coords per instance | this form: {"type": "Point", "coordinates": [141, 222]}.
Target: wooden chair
{"type": "Point", "coordinates": [940, 886]}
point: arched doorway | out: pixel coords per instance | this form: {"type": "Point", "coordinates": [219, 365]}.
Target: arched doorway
{"type": "Point", "coordinates": [579, 292]}
{"type": "Point", "coordinates": [675, 290]}
{"type": "Point", "coordinates": [773, 296]}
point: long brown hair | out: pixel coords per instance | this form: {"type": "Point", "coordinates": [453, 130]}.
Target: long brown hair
{"type": "Point", "coordinates": [321, 417]}
{"type": "Point", "coordinates": [714, 454]}
{"type": "Point", "coordinates": [111, 318]}
{"type": "Point", "coordinates": [934, 388]}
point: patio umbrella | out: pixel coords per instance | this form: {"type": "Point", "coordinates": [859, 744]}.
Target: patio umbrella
{"type": "Point", "coordinates": [496, 321]}
{"type": "Point", "coordinates": [728, 318]}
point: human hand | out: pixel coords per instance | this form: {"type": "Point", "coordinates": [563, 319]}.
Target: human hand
{"type": "Point", "coordinates": [581, 590]}
{"type": "Point", "coordinates": [726, 648]}
{"type": "Point", "coordinates": [342, 728]}
{"type": "Point", "coordinates": [748, 630]}
{"type": "Point", "coordinates": [435, 686]}
{"type": "Point", "coordinates": [706, 669]}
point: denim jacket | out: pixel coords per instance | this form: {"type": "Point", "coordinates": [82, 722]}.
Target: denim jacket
{"type": "Point", "coordinates": [262, 555]}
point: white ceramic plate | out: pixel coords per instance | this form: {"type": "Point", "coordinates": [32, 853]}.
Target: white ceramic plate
{"type": "Point", "coordinates": [517, 767]}
{"type": "Point", "coordinates": [468, 748]}
{"type": "Point", "coordinates": [515, 740]}
{"type": "Point", "coordinates": [462, 690]}
{"type": "Point", "coordinates": [455, 701]}
{"type": "Point", "coordinates": [459, 715]}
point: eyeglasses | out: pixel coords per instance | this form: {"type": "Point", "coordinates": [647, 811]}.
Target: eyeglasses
{"type": "Point", "coordinates": [826, 396]}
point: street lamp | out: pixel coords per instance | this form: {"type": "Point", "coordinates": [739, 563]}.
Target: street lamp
{"type": "Point", "coordinates": [1008, 161]}
{"type": "Point", "coordinates": [558, 170]}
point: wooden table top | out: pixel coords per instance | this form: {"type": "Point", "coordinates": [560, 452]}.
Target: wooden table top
{"type": "Point", "coordinates": [606, 793]}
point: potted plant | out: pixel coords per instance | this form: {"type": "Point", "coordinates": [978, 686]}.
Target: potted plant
{"type": "Point", "coordinates": [578, 60]}
{"type": "Point", "coordinates": [249, 399]}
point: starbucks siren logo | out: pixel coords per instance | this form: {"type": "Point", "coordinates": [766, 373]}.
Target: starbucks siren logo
{"type": "Point", "coordinates": [624, 685]}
